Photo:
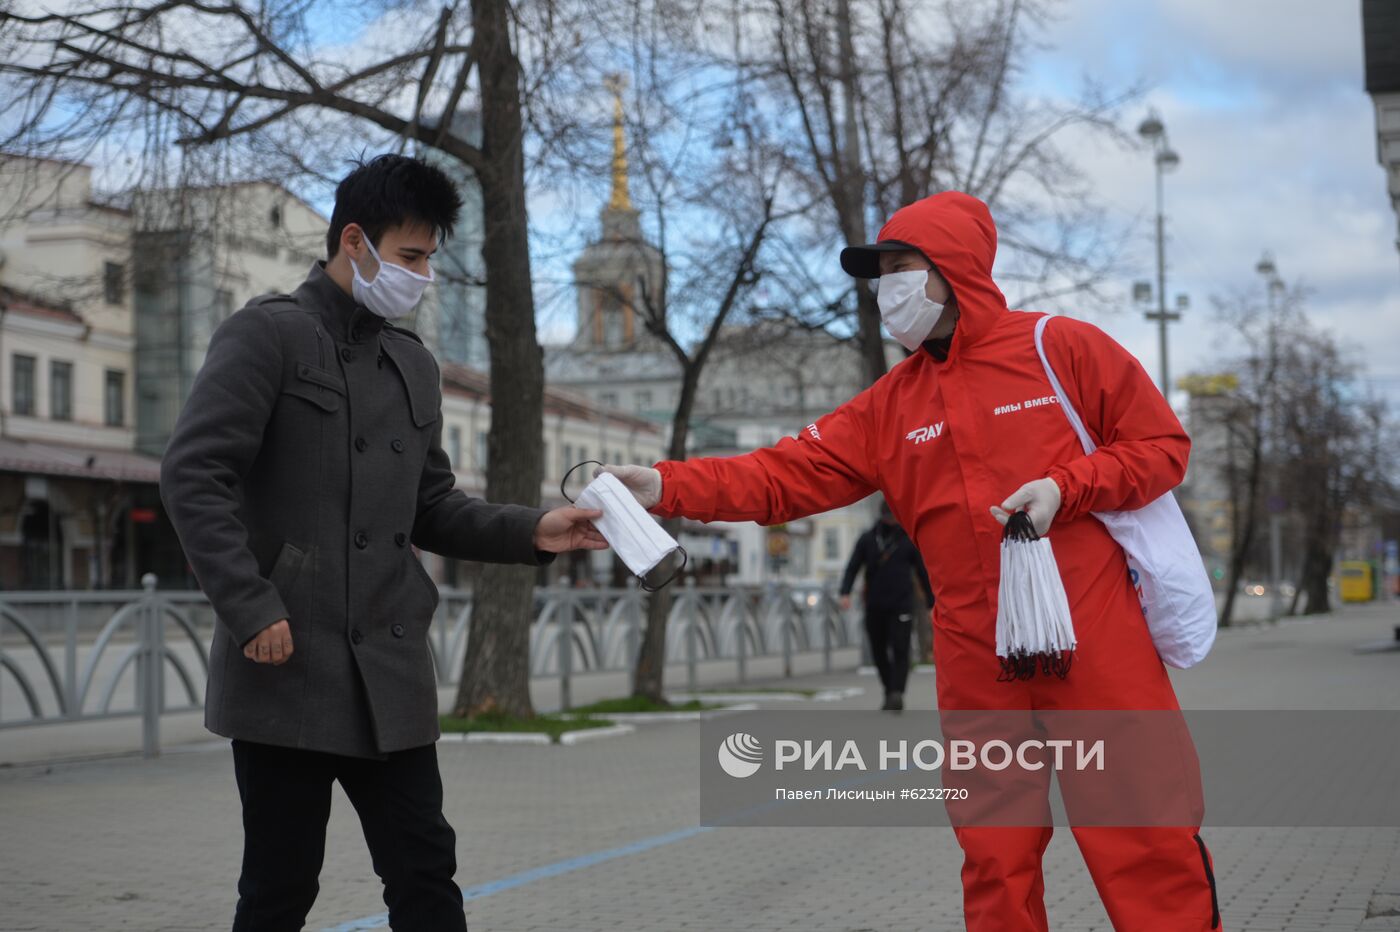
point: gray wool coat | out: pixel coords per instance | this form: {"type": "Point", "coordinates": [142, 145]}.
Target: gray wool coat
{"type": "Point", "coordinates": [305, 461]}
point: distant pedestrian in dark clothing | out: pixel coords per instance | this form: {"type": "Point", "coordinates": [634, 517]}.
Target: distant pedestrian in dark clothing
{"type": "Point", "coordinates": [891, 564]}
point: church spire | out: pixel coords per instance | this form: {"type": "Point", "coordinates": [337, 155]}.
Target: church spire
{"type": "Point", "coordinates": [621, 199]}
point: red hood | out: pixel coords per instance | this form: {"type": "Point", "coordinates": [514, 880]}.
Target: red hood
{"type": "Point", "coordinates": [955, 232]}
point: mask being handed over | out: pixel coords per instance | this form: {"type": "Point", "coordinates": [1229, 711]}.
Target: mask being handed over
{"type": "Point", "coordinates": [634, 535]}
{"type": "Point", "coordinates": [905, 308]}
{"type": "Point", "coordinates": [395, 290]}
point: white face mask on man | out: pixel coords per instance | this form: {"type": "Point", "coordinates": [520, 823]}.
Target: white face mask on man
{"type": "Point", "coordinates": [395, 290]}
{"type": "Point", "coordinates": [905, 307]}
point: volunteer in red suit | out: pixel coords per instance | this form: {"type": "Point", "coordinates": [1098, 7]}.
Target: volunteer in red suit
{"type": "Point", "coordinates": [956, 436]}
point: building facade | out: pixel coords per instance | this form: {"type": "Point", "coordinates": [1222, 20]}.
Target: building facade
{"type": "Point", "coordinates": [77, 505]}
{"type": "Point", "coordinates": [1381, 40]}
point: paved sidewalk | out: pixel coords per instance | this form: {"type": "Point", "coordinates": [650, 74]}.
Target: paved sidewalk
{"type": "Point", "coordinates": [604, 835]}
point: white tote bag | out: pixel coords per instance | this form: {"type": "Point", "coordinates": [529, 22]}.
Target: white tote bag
{"type": "Point", "coordinates": [1163, 561]}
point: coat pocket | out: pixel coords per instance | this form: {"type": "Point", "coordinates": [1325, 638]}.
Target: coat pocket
{"type": "Point", "coordinates": [427, 581]}
{"type": "Point", "coordinates": [286, 569]}
{"type": "Point", "coordinates": [323, 389]}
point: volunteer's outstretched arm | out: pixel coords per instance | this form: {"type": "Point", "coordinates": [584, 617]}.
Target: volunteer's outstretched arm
{"type": "Point", "coordinates": [826, 466]}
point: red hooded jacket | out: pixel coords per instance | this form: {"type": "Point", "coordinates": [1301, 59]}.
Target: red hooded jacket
{"type": "Point", "coordinates": [947, 440]}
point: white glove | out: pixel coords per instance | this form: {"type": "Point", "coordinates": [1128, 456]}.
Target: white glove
{"type": "Point", "coordinates": [642, 481]}
{"type": "Point", "coordinates": [1040, 499]}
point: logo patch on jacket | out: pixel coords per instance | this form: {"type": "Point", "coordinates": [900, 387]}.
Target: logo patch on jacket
{"type": "Point", "coordinates": [1028, 403]}
{"type": "Point", "coordinates": [925, 433]}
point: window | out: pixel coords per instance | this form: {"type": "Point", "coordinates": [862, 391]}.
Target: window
{"type": "Point", "coordinates": [60, 390]}
{"type": "Point", "coordinates": [454, 445]}
{"type": "Point", "coordinates": [114, 398]}
{"type": "Point", "coordinates": [831, 543]}
{"type": "Point", "coordinates": [483, 454]}
{"type": "Point", "coordinates": [643, 400]}
{"type": "Point", "coordinates": [608, 400]}
{"type": "Point", "coordinates": [567, 462]}
{"type": "Point", "coordinates": [23, 386]}
{"type": "Point", "coordinates": [113, 282]}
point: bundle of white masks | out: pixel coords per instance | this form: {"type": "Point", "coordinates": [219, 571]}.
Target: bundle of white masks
{"type": "Point", "coordinates": [633, 534]}
{"type": "Point", "coordinates": [1033, 623]}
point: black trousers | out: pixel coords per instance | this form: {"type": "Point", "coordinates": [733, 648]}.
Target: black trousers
{"type": "Point", "coordinates": [888, 632]}
{"type": "Point", "coordinates": [286, 797]}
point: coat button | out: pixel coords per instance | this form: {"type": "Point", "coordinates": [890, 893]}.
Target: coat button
{"type": "Point", "coordinates": [355, 335]}
{"type": "Point", "coordinates": [356, 637]}
{"type": "Point", "coordinates": [361, 539]}
{"type": "Point", "coordinates": [397, 445]}
{"type": "Point", "coordinates": [361, 443]}
{"type": "Point", "coordinates": [398, 631]}
{"type": "Point", "coordinates": [345, 353]}
{"type": "Point", "coordinates": [400, 538]}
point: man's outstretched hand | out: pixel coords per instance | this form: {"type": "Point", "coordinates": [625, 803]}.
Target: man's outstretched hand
{"type": "Point", "coordinates": [569, 528]}
{"type": "Point", "coordinates": [642, 481]}
{"type": "Point", "coordinates": [272, 644]}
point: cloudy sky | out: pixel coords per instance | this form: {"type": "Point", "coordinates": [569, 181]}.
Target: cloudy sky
{"type": "Point", "coordinates": [1264, 101]}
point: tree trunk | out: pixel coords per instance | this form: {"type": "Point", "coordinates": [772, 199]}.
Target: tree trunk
{"type": "Point", "coordinates": [1317, 568]}
{"type": "Point", "coordinates": [648, 679]}
{"type": "Point", "coordinates": [495, 672]}
{"type": "Point", "coordinates": [872, 342]}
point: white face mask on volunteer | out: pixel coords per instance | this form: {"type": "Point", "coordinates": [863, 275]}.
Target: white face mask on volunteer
{"type": "Point", "coordinates": [905, 307]}
{"type": "Point", "coordinates": [395, 290]}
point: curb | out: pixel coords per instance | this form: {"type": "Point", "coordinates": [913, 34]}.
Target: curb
{"type": "Point", "coordinates": [641, 718]}
{"type": "Point", "coordinates": [580, 735]}
{"type": "Point", "coordinates": [537, 738]}
{"type": "Point", "coordinates": [496, 737]}
{"type": "Point", "coordinates": [738, 696]}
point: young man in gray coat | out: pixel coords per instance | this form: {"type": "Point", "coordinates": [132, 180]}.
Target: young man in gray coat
{"type": "Point", "coordinates": [305, 462]}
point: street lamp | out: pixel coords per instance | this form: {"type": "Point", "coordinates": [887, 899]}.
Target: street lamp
{"type": "Point", "coordinates": [1165, 159]}
{"type": "Point", "coordinates": [1273, 285]}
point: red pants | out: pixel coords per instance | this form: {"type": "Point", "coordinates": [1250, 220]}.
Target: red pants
{"type": "Point", "coordinates": [1157, 879]}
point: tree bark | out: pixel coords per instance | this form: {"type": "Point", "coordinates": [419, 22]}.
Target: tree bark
{"type": "Point", "coordinates": [495, 671]}
{"type": "Point", "coordinates": [648, 676]}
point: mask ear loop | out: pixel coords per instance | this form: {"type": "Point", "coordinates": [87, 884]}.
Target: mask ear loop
{"type": "Point", "coordinates": [565, 481]}
{"type": "Point", "coordinates": [685, 561]}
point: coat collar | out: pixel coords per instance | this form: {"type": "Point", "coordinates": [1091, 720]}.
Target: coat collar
{"type": "Point", "coordinates": [347, 320]}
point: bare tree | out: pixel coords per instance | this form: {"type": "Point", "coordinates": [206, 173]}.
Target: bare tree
{"type": "Point", "coordinates": [893, 100]}
{"type": "Point", "coordinates": [1236, 421]}
{"type": "Point", "coordinates": [711, 187]}
{"type": "Point", "coordinates": [1289, 423]}
{"type": "Point", "coordinates": [216, 90]}
{"type": "Point", "coordinates": [1333, 444]}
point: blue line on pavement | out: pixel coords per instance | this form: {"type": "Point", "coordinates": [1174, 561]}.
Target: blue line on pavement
{"type": "Point", "coordinates": [540, 873]}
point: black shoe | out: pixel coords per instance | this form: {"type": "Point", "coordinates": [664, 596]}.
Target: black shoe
{"type": "Point", "coordinates": [895, 702]}
{"type": "Point", "coordinates": [889, 702]}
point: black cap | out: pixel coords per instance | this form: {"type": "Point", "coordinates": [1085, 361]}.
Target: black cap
{"type": "Point", "coordinates": [864, 261]}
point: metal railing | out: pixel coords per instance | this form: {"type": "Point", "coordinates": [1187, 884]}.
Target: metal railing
{"type": "Point", "coordinates": [84, 656]}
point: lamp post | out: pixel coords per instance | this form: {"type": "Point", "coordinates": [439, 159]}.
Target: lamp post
{"type": "Point", "coordinates": [1165, 159]}
{"type": "Point", "coordinates": [1273, 285]}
